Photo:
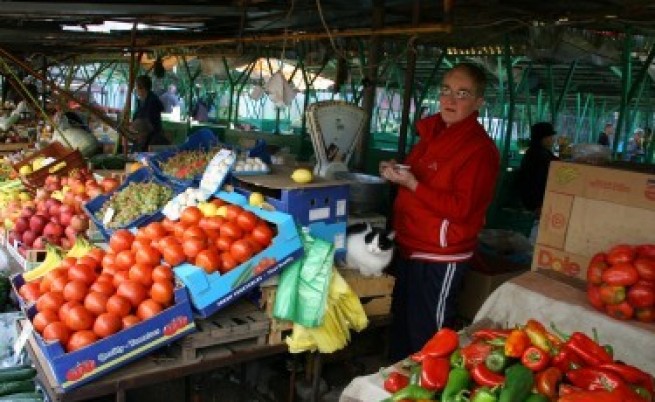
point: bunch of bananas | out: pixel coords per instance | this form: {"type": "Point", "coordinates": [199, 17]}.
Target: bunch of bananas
{"type": "Point", "coordinates": [343, 312]}
{"type": "Point", "coordinates": [54, 256]}
{"type": "Point", "coordinates": [12, 190]}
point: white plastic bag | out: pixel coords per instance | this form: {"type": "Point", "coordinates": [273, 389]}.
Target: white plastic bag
{"type": "Point", "coordinates": [279, 90]}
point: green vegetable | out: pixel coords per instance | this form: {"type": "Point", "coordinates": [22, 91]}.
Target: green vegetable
{"type": "Point", "coordinates": [484, 394]}
{"type": "Point", "coordinates": [23, 397]}
{"type": "Point", "coordinates": [456, 359]}
{"type": "Point", "coordinates": [13, 387]}
{"type": "Point", "coordinates": [18, 373]}
{"type": "Point", "coordinates": [537, 398]}
{"type": "Point", "coordinates": [518, 384]}
{"type": "Point", "coordinates": [458, 381]}
{"type": "Point", "coordinates": [496, 361]}
{"type": "Point", "coordinates": [412, 391]}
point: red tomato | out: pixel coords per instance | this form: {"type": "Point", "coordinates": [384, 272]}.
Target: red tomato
{"type": "Point", "coordinates": [125, 259]}
{"type": "Point", "coordinates": [138, 244]}
{"type": "Point", "coordinates": [178, 230]}
{"type": "Point", "coordinates": [162, 273]}
{"type": "Point", "coordinates": [167, 224]}
{"type": "Point", "coordinates": [90, 261]}
{"type": "Point", "coordinates": [193, 231]}
{"type": "Point", "coordinates": [132, 291]}
{"type": "Point", "coordinates": [103, 286]}
{"type": "Point", "coordinates": [193, 246]}
{"type": "Point", "coordinates": [595, 271]}
{"type": "Point", "coordinates": [621, 311]}
{"type": "Point", "coordinates": [228, 262]}
{"type": "Point", "coordinates": [50, 301]}
{"type": "Point", "coordinates": [646, 314]}
{"type": "Point", "coordinates": [254, 244]}
{"type": "Point", "coordinates": [121, 240]}
{"type": "Point", "coordinates": [148, 308]}
{"type": "Point", "coordinates": [58, 283]}
{"type": "Point", "coordinates": [97, 254]}
{"type": "Point", "coordinates": [211, 223]}
{"type": "Point", "coordinates": [241, 250]}
{"type": "Point", "coordinates": [218, 202]}
{"type": "Point", "coordinates": [148, 256]}
{"type": "Point", "coordinates": [599, 257]}
{"type": "Point", "coordinates": [105, 278]}
{"type": "Point", "coordinates": [621, 253]}
{"type": "Point", "coordinates": [612, 294]}
{"type": "Point", "coordinates": [645, 266]}
{"type": "Point", "coordinates": [96, 302]}
{"type": "Point", "coordinates": [82, 272]}
{"type": "Point", "coordinates": [155, 230]}
{"type": "Point", "coordinates": [79, 318]}
{"type": "Point", "coordinates": [174, 255]}
{"type": "Point", "coordinates": [639, 296]}
{"type": "Point", "coordinates": [30, 291]}
{"type": "Point", "coordinates": [231, 230]}
{"type": "Point", "coordinates": [109, 263]}
{"type": "Point", "coordinates": [621, 274]}
{"type": "Point", "coordinates": [80, 339]}
{"type": "Point", "coordinates": [162, 293]}
{"type": "Point", "coordinates": [208, 260]}
{"type": "Point", "coordinates": [50, 276]}
{"type": "Point", "coordinates": [120, 277]}
{"type": "Point", "coordinates": [75, 290]}
{"type": "Point", "coordinates": [43, 318]}
{"type": "Point", "coordinates": [141, 273]}
{"type": "Point", "coordinates": [263, 234]}
{"type": "Point", "coordinates": [191, 216]}
{"type": "Point", "coordinates": [223, 243]}
{"type": "Point", "coordinates": [119, 305]}
{"type": "Point", "coordinates": [107, 324]}
{"type": "Point", "coordinates": [232, 211]}
{"type": "Point", "coordinates": [247, 221]}
{"type": "Point", "coordinates": [646, 250]}
{"type": "Point", "coordinates": [63, 311]}
{"type": "Point", "coordinates": [56, 331]}
{"type": "Point", "coordinates": [593, 295]}
{"type": "Point", "coordinates": [68, 262]}
{"type": "Point", "coordinates": [130, 321]}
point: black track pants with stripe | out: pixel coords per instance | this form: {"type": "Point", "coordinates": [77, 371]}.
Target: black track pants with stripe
{"type": "Point", "coordinates": [424, 300]}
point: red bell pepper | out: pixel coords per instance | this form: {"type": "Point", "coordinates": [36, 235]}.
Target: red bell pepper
{"type": "Point", "coordinates": [537, 334]}
{"type": "Point", "coordinates": [589, 351]}
{"type": "Point", "coordinates": [631, 374]}
{"type": "Point", "coordinates": [547, 382]}
{"type": "Point", "coordinates": [595, 379]}
{"type": "Point", "coordinates": [567, 389]}
{"type": "Point", "coordinates": [442, 344]}
{"type": "Point", "coordinates": [534, 358]}
{"type": "Point", "coordinates": [566, 360]}
{"type": "Point", "coordinates": [517, 342]}
{"type": "Point", "coordinates": [434, 374]}
{"type": "Point", "coordinates": [395, 381]}
{"type": "Point", "coordinates": [591, 396]}
{"type": "Point", "coordinates": [475, 353]}
{"type": "Point", "coordinates": [485, 377]}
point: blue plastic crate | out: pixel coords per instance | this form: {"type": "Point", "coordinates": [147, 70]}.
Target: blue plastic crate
{"type": "Point", "coordinates": [203, 139]}
{"type": "Point", "coordinates": [141, 175]}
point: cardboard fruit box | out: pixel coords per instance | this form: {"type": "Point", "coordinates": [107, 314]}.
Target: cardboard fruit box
{"type": "Point", "coordinates": [212, 292]}
{"type": "Point", "coordinates": [588, 209]}
{"type": "Point", "coordinates": [321, 206]}
{"type": "Point", "coordinates": [74, 369]}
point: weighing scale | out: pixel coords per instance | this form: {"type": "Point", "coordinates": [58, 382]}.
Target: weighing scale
{"type": "Point", "coordinates": [335, 128]}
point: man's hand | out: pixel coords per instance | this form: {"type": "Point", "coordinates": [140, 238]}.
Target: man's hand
{"type": "Point", "coordinates": [398, 174]}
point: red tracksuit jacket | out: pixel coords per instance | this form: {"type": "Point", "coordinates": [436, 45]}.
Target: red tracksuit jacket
{"type": "Point", "coordinates": [456, 168]}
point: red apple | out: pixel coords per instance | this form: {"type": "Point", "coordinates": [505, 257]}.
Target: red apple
{"type": "Point", "coordinates": [37, 223]}
{"type": "Point", "coordinates": [39, 243]}
{"type": "Point", "coordinates": [71, 233]}
{"type": "Point", "coordinates": [80, 223]}
{"type": "Point", "coordinates": [28, 238]}
{"type": "Point", "coordinates": [66, 244]}
{"type": "Point", "coordinates": [65, 217]}
{"type": "Point", "coordinates": [109, 184]}
{"type": "Point", "coordinates": [21, 225]}
{"type": "Point", "coordinates": [53, 230]}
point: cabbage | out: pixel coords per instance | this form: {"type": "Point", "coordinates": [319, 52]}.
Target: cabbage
{"type": "Point", "coordinates": [80, 139]}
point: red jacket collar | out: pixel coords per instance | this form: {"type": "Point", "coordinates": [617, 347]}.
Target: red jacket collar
{"type": "Point", "coordinates": [434, 125]}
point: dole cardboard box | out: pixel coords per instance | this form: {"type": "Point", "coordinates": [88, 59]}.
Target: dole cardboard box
{"type": "Point", "coordinates": [321, 206]}
{"type": "Point", "coordinates": [105, 355]}
{"type": "Point", "coordinates": [588, 209]}
{"type": "Point", "coordinates": [212, 292]}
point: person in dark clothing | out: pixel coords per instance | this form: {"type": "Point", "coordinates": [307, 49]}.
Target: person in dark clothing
{"type": "Point", "coordinates": [533, 172]}
{"type": "Point", "coordinates": [604, 137]}
{"type": "Point", "coordinates": [148, 110]}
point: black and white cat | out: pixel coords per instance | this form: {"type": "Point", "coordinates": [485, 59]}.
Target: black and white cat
{"type": "Point", "coordinates": [368, 249]}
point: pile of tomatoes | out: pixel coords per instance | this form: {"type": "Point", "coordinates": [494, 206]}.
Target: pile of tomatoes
{"type": "Point", "coordinates": [213, 243]}
{"type": "Point", "coordinates": [89, 298]}
{"type": "Point", "coordinates": [621, 282]}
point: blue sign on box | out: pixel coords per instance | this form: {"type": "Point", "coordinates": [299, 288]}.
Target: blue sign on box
{"type": "Point", "coordinates": [76, 368]}
{"type": "Point", "coordinates": [212, 292]}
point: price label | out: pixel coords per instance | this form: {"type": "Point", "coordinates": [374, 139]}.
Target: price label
{"type": "Point", "coordinates": [109, 215]}
{"type": "Point", "coordinates": [19, 345]}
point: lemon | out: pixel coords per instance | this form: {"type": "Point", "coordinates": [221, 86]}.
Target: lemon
{"type": "Point", "coordinates": [208, 208]}
{"type": "Point", "coordinates": [221, 211]}
{"type": "Point", "coordinates": [256, 199]}
{"type": "Point", "coordinates": [302, 176]}
{"type": "Point", "coordinates": [26, 169]}
{"type": "Point", "coordinates": [24, 196]}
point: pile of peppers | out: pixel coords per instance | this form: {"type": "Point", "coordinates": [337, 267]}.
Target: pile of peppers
{"type": "Point", "coordinates": [525, 364]}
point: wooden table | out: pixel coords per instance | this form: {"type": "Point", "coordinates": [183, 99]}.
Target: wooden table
{"type": "Point", "coordinates": [146, 371]}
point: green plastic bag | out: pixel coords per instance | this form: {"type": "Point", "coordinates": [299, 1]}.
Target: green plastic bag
{"type": "Point", "coordinates": [303, 287]}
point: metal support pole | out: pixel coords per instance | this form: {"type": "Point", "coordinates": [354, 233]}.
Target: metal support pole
{"type": "Point", "coordinates": [510, 110]}
{"type": "Point", "coordinates": [626, 78]}
{"type": "Point", "coordinates": [565, 89]}
{"type": "Point", "coordinates": [407, 99]}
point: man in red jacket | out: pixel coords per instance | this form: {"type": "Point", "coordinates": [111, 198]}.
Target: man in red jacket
{"type": "Point", "coordinates": [443, 194]}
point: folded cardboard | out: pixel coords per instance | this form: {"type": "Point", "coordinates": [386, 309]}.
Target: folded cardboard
{"type": "Point", "coordinates": [588, 209]}
{"type": "Point", "coordinates": [212, 292]}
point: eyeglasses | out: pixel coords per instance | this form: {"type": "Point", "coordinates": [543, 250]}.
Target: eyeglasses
{"type": "Point", "coordinates": [460, 95]}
